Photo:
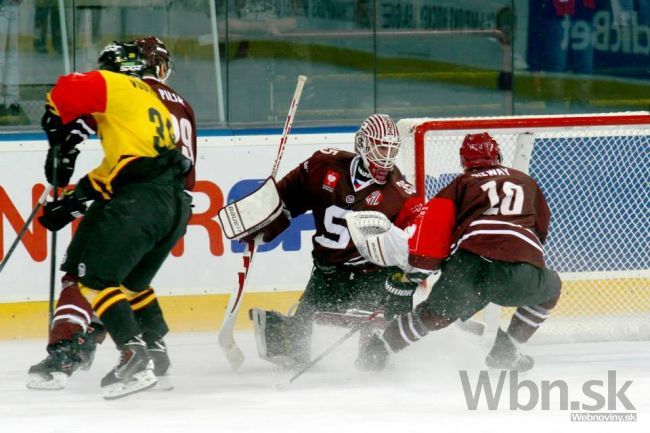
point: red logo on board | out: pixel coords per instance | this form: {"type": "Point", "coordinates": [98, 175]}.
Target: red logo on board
{"type": "Point", "coordinates": [330, 181]}
{"type": "Point", "coordinates": [375, 198]}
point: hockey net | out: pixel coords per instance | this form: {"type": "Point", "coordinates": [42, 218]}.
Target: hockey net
{"type": "Point", "coordinates": [594, 171]}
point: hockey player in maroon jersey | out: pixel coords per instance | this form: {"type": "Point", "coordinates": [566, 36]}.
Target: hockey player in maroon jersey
{"type": "Point", "coordinates": [75, 330]}
{"type": "Point", "coordinates": [332, 183]}
{"type": "Point", "coordinates": [494, 220]}
{"type": "Point", "coordinates": [159, 68]}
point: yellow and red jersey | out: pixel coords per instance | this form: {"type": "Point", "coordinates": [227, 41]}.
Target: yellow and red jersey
{"type": "Point", "coordinates": [132, 122]}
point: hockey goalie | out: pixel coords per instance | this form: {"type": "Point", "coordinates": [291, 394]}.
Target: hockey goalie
{"type": "Point", "coordinates": [331, 183]}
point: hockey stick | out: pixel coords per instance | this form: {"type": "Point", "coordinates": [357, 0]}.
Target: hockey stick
{"type": "Point", "coordinates": [55, 172]}
{"type": "Point", "coordinates": [226, 337]}
{"type": "Point", "coordinates": [330, 349]}
{"type": "Point", "coordinates": [21, 233]}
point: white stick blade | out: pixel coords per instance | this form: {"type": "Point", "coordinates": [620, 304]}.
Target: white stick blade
{"type": "Point", "coordinates": [233, 353]}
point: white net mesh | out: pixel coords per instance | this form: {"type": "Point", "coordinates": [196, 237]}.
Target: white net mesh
{"type": "Point", "coordinates": [595, 179]}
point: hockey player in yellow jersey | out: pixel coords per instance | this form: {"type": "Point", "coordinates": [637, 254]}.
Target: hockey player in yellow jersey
{"type": "Point", "coordinates": [139, 207]}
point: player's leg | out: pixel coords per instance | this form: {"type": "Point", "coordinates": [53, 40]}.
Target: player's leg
{"type": "Point", "coordinates": [367, 294]}
{"type": "Point", "coordinates": [142, 297]}
{"type": "Point", "coordinates": [123, 235]}
{"type": "Point", "coordinates": [286, 340]}
{"type": "Point", "coordinates": [535, 292]}
{"type": "Point", "coordinates": [454, 296]}
{"type": "Point", "coordinates": [73, 339]}
{"type": "Point", "coordinates": [75, 330]}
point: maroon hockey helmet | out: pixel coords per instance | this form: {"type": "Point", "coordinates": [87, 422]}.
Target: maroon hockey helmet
{"type": "Point", "coordinates": [156, 56]}
{"type": "Point", "coordinates": [378, 142]}
{"type": "Point", "coordinates": [479, 150]}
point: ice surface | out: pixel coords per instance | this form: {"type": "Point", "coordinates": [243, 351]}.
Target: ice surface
{"type": "Point", "coordinates": [421, 391]}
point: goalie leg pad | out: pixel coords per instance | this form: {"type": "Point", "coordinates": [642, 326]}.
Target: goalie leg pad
{"type": "Point", "coordinates": [275, 339]}
{"type": "Point", "coordinates": [249, 215]}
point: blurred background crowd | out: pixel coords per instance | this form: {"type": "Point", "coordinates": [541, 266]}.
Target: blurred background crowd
{"type": "Point", "coordinates": [237, 60]}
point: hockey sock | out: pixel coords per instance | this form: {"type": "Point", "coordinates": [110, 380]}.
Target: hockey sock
{"type": "Point", "coordinates": [148, 313]}
{"type": "Point", "coordinates": [73, 312]}
{"type": "Point", "coordinates": [114, 310]}
{"type": "Point", "coordinates": [404, 330]}
{"type": "Point", "coordinates": [411, 327]}
{"type": "Point", "coordinates": [525, 321]}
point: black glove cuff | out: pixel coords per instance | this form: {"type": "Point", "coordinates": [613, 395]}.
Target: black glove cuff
{"type": "Point", "coordinates": [396, 287]}
{"type": "Point", "coordinates": [84, 190]}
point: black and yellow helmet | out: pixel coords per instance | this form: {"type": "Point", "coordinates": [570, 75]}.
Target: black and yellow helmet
{"type": "Point", "coordinates": [122, 57]}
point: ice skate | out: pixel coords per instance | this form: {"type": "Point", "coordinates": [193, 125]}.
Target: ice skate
{"type": "Point", "coordinates": [505, 355]}
{"type": "Point", "coordinates": [133, 373]}
{"type": "Point", "coordinates": [87, 343]}
{"type": "Point", "coordinates": [52, 373]}
{"type": "Point", "coordinates": [161, 364]}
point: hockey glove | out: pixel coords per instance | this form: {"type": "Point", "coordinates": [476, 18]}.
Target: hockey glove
{"type": "Point", "coordinates": [66, 135]}
{"type": "Point", "coordinates": [53, 127]}
{"type": "Point", "coordinates": [399, 295]}
{"type": "Point", "coordinates": [58, 214]}
{"type": "Point", "coordinates": [64, 165]}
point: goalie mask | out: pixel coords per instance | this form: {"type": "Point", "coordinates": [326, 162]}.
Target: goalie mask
{"type": "Point", "coordinates": [377, 142]}
{"type": "Point", "coordinates": [123, 58]}
{"type": "Point", "coordinates": [479, 150]}
{"type": "Point", "coordinates": [156, 57]}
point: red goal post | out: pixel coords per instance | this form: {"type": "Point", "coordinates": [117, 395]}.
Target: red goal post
{"type": "Point", "coordinates": [594, 170]}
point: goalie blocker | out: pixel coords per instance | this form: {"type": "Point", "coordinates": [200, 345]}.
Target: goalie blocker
{"type": "Point", "coordinates": [259, 214]}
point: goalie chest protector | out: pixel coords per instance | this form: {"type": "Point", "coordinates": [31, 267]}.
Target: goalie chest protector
{"type": "Point", "coordinates": [324, 184]}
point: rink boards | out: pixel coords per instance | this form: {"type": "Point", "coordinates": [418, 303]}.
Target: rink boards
{"type": "Point", "coordinates": [196, 280]}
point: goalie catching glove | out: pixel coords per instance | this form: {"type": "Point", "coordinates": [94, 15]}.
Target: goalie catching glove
{"type": "Point", "coordinates": [260, 214]}
{"type": "Point", "coordinates": [417, 250]}
{"type": "Point", "coordinates": [377, 239]}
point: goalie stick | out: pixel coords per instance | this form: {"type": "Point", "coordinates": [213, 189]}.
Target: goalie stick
{"type": "Point", "coordinates": [21, 233]}
{"type": "Point", "coordinates": [226, 337]}
{"type": "Point", "coordinates": [353, 317]}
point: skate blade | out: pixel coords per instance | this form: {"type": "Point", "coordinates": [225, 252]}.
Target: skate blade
{"type": "Point", "coordinates": [164, 384]}
{"type": "Point", "coordinates": [36, 381]}
{"type": "Point", "coordinates": [139, 382]}
{"type": "Point", "coordinates": [497, 366]}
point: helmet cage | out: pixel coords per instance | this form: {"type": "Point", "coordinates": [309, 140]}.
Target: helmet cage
{"type": "Point", "coordinates": [378, 144]}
